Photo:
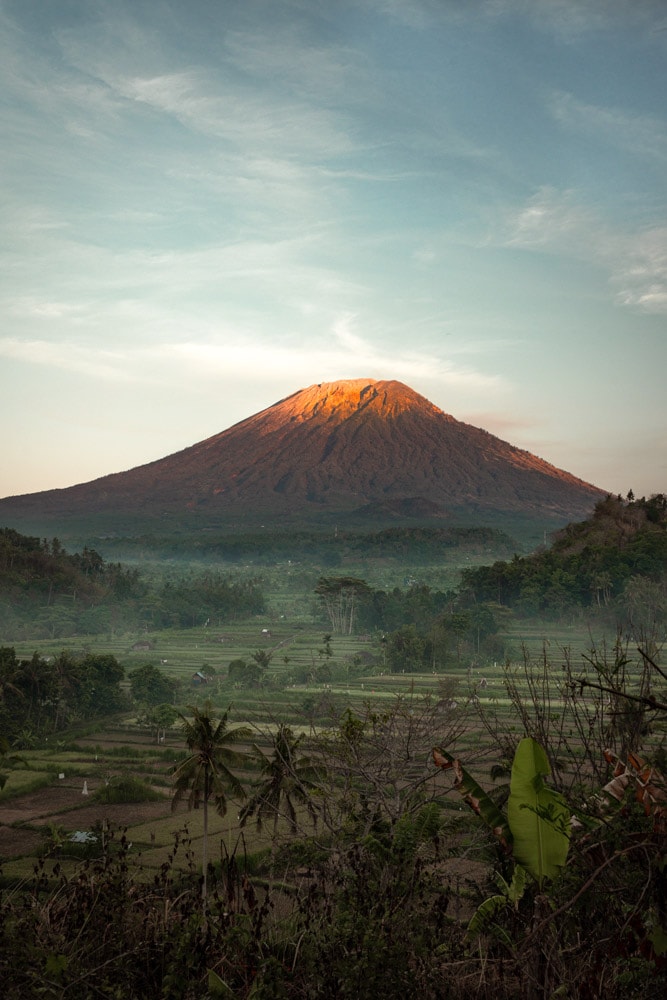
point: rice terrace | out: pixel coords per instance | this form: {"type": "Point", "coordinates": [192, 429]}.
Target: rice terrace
{"type": "Point", "coordinates": [425, 769]}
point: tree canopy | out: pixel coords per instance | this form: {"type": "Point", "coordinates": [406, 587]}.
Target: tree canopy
{"type": "Point", "coordinates": [591, 563]}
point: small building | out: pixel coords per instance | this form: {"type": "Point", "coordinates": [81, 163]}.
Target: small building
{"type": "Point", "coordinates": [198, 678]}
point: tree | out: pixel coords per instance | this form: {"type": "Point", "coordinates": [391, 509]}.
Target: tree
{"type": "Point", "coordinates": [340, 597]}
{"type": "Point", "coordinates": [644, 604]}
{"type": "Point", "coordinates": [67, 673]}
{"type": "Point", "coordinates": [601, 585]}
{"type": "Point", "coordinates": [246, 675]}
{"type": "Point", "coordinates": [7, 758]}
{"type": "Point", "coordinates": [150, 686]}
{"type": "Point", "coordinates": [34, 683]}
{"type": "Point", "coordinates": [99, 687]}
{"type": "Point", "coordinates": [10, 691]}
{"type": "Point", "coordinates": [288, 781]}
{"type": "Point", "coordinates": [158, 718]}
{"type": "Point", "coordinates": [377, 763]}
{"type": "Point", "coordinates": [405, 650]}
{"type": "Point", "coordinates": [205, 773]}
{"type": "Point", "coordinates": [262, 658]}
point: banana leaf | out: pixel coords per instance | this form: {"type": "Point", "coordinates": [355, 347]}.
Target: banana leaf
{"type": "Point", "coordinates": [538, 816]}
{"type": "Point", "coordinates": [475, 796]}
{"type": "Point", "coordinates": [483, 920]}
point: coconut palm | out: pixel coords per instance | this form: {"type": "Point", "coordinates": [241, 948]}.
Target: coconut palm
{"type": "Point", "coordinates": [7, 758]}
{"type": "Point", "coordinates": [289, 780]}
{"type": "Point", "coordinates": [206, 773]}
{"type": "Point", "coordinates": [11, 672]}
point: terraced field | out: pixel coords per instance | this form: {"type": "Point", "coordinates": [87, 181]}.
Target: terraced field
{"type": "Point", "coordinates": [53, 797]}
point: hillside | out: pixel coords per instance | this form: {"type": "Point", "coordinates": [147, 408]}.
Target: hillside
{"type": "Point", "coordinates": [615, 560]}
{"type": "Point", "coordinates": [35, 570]}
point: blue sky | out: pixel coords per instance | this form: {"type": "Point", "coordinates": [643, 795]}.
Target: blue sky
{"type": "Point", "coordinates": [209, 204]}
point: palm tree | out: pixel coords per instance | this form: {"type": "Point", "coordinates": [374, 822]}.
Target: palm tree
{"type": "Point", "coordinates": [288, 781]}
{"type": "Point", "coordinates": [11, 673]}
{"type": "Point", "coordinates": [67, 675]}
{"type": "Point", "coordinates": [205, 773]}
{"type": "Point", "coordinates": [7, 758]}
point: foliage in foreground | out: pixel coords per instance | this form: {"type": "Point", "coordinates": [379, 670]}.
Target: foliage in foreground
{"type": "Point", "coordinates": [368, 921]}
{"type": "Point", "coordinates": [373, 901]}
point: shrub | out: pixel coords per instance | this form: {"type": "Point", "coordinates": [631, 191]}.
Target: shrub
{"type": "Point", "coordinates": [126, 789]}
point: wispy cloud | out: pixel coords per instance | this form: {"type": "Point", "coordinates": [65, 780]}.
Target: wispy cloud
{"type": "Point", "coordinates": [288, 58]}
{"type": "Point", "coordinates": [641, 273]}
{"type": "Point", "coordinates": [272, 156]}
{"type": "Point", "coordinates": [345, 354]}
{"type": "Point", "coordinates": [572, 19]}
{"type": "Point", "coordinates": [210, 356]}
{"type": "Point", "coordinates": [93, 362]}
{"type": "Point", "coordinates": [225, 102]}
{"type": "Point", "coordinates": [254, 122]}
{"type": "Point", "coordinates": [552, 220]}
{"type": "Point", "coordinates": [503, 424]}
{"type": "Point", "coordinates": [636, 261]}
{"type": "Point", "coordinates": [568, 19]}
{"type": "Point", "coordinates": [638, 134]}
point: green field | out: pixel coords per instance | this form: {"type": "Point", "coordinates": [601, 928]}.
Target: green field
{"type": "Point", "coordinates": [109, 749]}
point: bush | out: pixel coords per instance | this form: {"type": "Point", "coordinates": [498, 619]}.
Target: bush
{"type": "Point", "coordinates": [126, 789]}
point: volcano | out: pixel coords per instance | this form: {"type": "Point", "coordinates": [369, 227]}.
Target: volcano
{"type": "Point", "coordinates": [358, 447]}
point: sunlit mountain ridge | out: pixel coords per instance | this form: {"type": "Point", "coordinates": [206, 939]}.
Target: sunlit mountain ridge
{"type": "Point", "coordinates": [357, 447]}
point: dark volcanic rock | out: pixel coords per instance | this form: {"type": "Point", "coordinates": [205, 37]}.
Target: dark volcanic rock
{"type": "Point", "coordinates": [337, 446]}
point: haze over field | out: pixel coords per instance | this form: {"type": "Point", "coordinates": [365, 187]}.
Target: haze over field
{"type": "Point", "coordinates": [209, 204]}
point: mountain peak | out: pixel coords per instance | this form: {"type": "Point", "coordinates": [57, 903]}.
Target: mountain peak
{"type": "Point", "coordinates": [332, 448]}
{"type": "Point", "coordinates": [343, 398]}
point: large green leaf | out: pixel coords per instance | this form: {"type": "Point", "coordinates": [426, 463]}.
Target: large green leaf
{"type": "Point", "coordinates": [483, 920]}
{"type": "Point", "coordinates": [517, 886]}
{"type": "Point", "coordinates": [538, 816]}
{"type": "Point", "coordinates": [218, 988]}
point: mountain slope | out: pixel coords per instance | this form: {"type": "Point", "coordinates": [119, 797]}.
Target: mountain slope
{"type": "Point", "coordinates": [339, 446]}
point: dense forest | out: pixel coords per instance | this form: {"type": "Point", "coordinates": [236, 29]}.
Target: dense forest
{"type": "Point", "coordinates": [616, 560]}
{"type": "Point", "coordinates": [41, 696]}
{"type": "Point", "coordinates": [612, 566]}
{"type": "Point", "coordinates": [45, 592]}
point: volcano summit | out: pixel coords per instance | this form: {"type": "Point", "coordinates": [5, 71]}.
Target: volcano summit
{"type": "Point", "coordinates": [336, 449]}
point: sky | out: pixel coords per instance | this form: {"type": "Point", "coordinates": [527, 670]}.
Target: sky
{"type": "Point", "coordinates": [208, 205]}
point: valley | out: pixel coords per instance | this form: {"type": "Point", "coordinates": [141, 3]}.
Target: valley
{"type": "Point", "coordinates": [354, 724]}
